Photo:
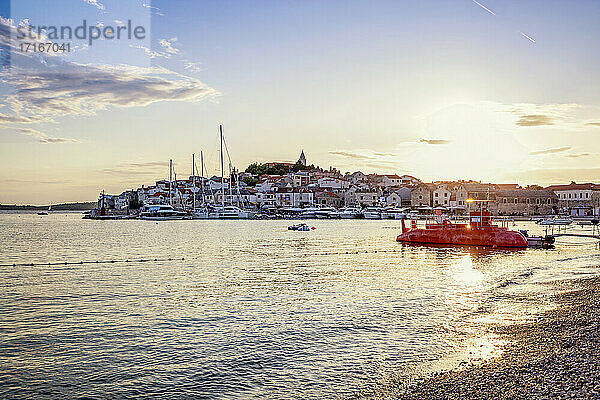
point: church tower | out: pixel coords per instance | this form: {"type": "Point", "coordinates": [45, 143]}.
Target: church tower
{"type": "Point", "coordinates": [302, 159]}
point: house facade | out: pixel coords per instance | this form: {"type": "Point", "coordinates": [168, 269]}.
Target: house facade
{"type": "Point", "coordinates": [526, 202]}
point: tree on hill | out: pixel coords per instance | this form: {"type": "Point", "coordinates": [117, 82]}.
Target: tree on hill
{"type": "Point", "coordinates": [278, 169]}
{"type": "Point", "coordinates": [534, 187]}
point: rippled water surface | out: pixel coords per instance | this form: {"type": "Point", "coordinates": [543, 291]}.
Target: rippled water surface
{"type": "Point", "coordinates": [248, 309]}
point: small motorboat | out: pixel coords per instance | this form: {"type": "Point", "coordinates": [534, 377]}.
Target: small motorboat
{"type": "Point", "coordinates": [546, 241]}
{"type": "Point", "coordinates": [555, 221]}
{"type": "Point", "coordinates": [300, 227]}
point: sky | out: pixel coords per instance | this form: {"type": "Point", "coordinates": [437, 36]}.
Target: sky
{"type": "Point", "coordinates": [500, 91]}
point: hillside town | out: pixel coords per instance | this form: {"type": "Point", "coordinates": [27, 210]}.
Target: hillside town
{"type": "Point", "coordinates": [287, 187]}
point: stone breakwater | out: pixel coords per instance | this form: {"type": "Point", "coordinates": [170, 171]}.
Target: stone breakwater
{"type": "Point", "coordinates": [555, 357]}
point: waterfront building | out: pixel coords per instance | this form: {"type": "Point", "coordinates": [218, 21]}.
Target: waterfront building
{"type": "Point", "coordinates": [526, 202]}
{"type": "Point", "coordinates": [294, 197]}
{"type": "Point", "coordinates": [578, 199]}
{"type": "Point", "coordinates": [329, 199]}
{"type": "Point", "coordinates": [421, 196]}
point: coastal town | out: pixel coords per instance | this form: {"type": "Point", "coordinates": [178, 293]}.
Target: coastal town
{"type": "Point", "coordinates": [298, 189]}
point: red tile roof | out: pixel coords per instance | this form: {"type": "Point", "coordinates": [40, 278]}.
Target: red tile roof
{"type": "Point", "coordinates": [575, 186]}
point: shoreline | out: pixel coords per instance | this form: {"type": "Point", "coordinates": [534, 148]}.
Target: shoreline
{"type": "Point", "coordinates": [555, 356]}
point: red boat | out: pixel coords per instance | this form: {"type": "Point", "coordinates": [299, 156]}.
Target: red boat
{"type": "Point", "coordinates": [478, 232]}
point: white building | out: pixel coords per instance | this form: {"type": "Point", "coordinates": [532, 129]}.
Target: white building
{"type": "Point", "coordinates": [333, 183]}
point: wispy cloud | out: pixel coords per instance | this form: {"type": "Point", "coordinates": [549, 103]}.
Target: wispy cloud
{"type": "Point", "coordinates": [151, 53]}
{"type": "Point", "coordinates": [95, 3]}
{"type": "Point", "coordinates": [147, 168]}
{"type": "Point", "coordinates": [46, 87]}
{"type": "Point", "coordinates": [42, 137]}
{"type": "Point", "coordinates": [435, 141]}
{"type": "Point", "coordinates": [156, 10]}
{"type": "Point", "coordinates": [578, 155]}
{"type": "Point", "coordinates": [168, 49]}
{"type": "Point", "coordinates": [169, 45]}
{"type": "Point", "coordinates": [192, 66]}
{"type": "Point", "coordinates": [484, 7]}
{"type": "Point", "coordinates": [593, 123]}
{"type": "Point", "coordinates": [535, 120]}
{"type": "Point", "coordinates": [550, 151]}
{"type": "Point", "coordinates": [349, 154]}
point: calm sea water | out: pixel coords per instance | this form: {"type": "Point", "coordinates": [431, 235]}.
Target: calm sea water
{"type": "Point", "coordinates": [248, 309]}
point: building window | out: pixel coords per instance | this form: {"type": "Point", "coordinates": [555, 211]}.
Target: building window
{"type": "Point", "coordinates": [537, 201]}
{"type": "Point", "coordinates": [549, 201]}
{"type": "Point", "coordinates": [436, 194]}
{"type": "Point", "coordinates": [420, 197]}
{"type": "Point", "coordinates": [504, 200]}
{"type": "Point", "coordinates": [527, 201]}
{"type": "Point", "coordinates": [446, 194]}
{"type": "Point", "coordinates": [587, 195]}
{"type": "Point", "coordinates": [516, 201]}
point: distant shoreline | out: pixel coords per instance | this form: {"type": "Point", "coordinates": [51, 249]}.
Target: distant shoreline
{"type": "Point", "coordinates": [82, 206]}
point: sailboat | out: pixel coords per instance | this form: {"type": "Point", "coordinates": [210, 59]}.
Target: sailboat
{"type": "Point", "coordinates": [164, 212]}
{"type": "Point", "coordinates": [44, 212]}
{"type": "Point", "coordinates": [230, 211]}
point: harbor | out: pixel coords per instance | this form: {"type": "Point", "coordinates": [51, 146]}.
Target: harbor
{"type": "Point", "coordinates": [332, 301]}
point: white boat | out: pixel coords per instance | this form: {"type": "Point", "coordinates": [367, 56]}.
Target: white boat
{"type": "Point", "coordinates": [555, 221]}
{"type": "Point", "coordinates": [201, 213]}
{"type": "Point", "coordinates": [350, 213]}
{"type": "Point", "coordinates": [162, 212]}
{"type": "Point", "coordinates": [372, 213]}
{"type": "Point", "coordinates": [326, 212]}
{"type": "Point", "coordinates": [309, 212]}
{"type": "Point", "coordinates": [231, 212]}
{"type": "Point", "coordinates": [393, 213]}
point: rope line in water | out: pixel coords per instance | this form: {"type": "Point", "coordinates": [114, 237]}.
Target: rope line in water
{"type": "Point", "coordinates": [30, 264]}
{"type": "Point", "coordinates": [332, 253]}
{"type": "Point", "coordinates": [33, 264]}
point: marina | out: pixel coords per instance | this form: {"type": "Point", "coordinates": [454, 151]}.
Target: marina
{"type": "Point", "coordinates": [358, 308]}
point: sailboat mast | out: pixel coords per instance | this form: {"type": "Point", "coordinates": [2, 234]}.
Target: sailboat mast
{"type": "Point", "coordinates": [202, 175]}
{"type": "Point", "coordinates": [170, 184]}
{"type": "Point", "coordinates": [222, 168]}
{"type": "Point", "coordinates": [193, 183]}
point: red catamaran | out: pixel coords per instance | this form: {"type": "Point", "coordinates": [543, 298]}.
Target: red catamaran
{"type": "Point", "coordinates": [478, 232]}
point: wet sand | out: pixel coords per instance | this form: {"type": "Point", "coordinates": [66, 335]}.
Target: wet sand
{"type": "Point", "coordinates": [555, 357]}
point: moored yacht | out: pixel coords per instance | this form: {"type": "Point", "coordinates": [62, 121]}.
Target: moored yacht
{"type": "Point", "coordinates": [350, 213]}
{"type": "Point", "coordinates": [231, 212]}
{"type": "Point", "coordinates": [372, 213]}
{"type": "Point", "coordinates": [161, 212]}
{"type": "Point", "coordinates": [326, 212]}
{"type": "Point", "coordinates": [393, 213]}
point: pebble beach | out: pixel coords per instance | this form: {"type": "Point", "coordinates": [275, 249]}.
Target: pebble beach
{"type": "Point", "coordinates": [556, 356]}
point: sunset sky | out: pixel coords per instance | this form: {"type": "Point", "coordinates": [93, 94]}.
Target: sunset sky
{"type": "Point", "coordinates": [501, 91]}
